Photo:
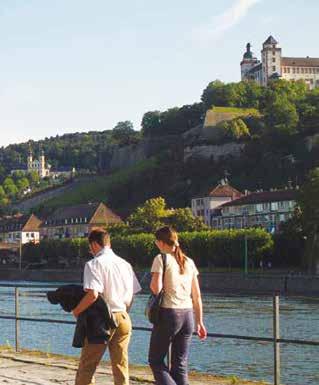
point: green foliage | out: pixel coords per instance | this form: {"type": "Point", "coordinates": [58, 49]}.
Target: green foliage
{"type": "Point", "coordinates": [309, 205]}
{"type": "Point", "coordinates": [149, 216]}
{"type": "Point", "coordinates": [110, 189]}
{"type": "Point", "coordinates": [207, 248]}
{"type": "Point", "coordinates": [153, 214]}
{"type": "Point", "coordinates": [22, 184]}
{"type": "Point", "coordinates": [174, 121]}
{"type": "Point", "coordinates": [2, 193]}
{"type": "Point", "coordinates": [309, 202]}
{"type": "Point", "coordinates": [233, 130]}
{"type": "Point", "coordinates": [281, 116]}
{"type": "Point", "coordinates": [51, 253]}
{"type": "Point", "coordinates": [184, 220]}
{"type": "Point", "coordinates": [34, 178]}
{"type": "Point", "coordinates": [123, 133]}
{"type": "Point", "coordinates": [242, 94]}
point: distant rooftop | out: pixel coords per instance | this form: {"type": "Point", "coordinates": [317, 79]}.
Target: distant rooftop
{"type": "Point", "coordinates": [225, 190]}
{"type": "Point", "coordinates": [264, 197]}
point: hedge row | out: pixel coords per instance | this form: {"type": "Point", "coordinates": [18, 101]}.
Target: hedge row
{"type": "Point", "coordinates": [207, 248]}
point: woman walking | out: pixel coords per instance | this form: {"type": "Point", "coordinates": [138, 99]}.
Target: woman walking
{"type": "Point", "coordinates": [182, 299]}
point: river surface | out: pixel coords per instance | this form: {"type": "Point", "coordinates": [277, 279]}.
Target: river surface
{"type": "Point", "coordinates": [244, 315]}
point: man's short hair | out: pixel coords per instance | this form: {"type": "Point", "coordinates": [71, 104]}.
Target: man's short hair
{"type": "Point", "coordinates": [100, 236]}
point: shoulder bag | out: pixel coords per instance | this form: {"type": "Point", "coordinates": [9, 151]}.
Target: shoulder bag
{"type": "Point", "coordinates": [154, 302]}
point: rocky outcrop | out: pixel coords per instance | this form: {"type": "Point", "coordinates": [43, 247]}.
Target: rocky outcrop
{"type": "Point", "coordinates": [213, 151]}
{"type": "Point", "coordinates": [120, 157]}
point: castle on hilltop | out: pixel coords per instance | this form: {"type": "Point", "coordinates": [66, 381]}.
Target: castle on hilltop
{"type": "Point", "coordinates": [273, 65]}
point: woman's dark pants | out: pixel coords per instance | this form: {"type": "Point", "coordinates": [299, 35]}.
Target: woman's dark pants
{"type": "Point", "coordinates": [176, 327]}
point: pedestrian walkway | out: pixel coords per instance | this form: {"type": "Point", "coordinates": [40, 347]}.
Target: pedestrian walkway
{"type": "Point", "coordinates": [34, 368]}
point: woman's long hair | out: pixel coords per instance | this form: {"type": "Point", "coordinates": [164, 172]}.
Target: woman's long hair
{"type": "Point", "coordinates": [169, 236]}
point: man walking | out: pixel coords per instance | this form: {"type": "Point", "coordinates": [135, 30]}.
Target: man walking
{"type": "Point", "coordinates": [113, 278]}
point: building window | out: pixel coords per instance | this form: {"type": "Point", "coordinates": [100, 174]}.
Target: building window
{"type": "Point", "coordinates": [297, 69]}
{"type": "Point", "coordinates": [302, 70]}
{"type": "Point", "coordinates": [32, 235]}
{"type": "Point", "coordinates": [293, 70]}
{"type": "Point", "coordinates": [288, 70]}
{"type": "Point", "coordinates": [274, 206]}
{"type": "Point", "coordinates": [265, 206]}
{"type": "Point", "coordinates": [306, 70]}
{"type": "Point", "coordinates": [66, 221]}
{"type": "Point", "coordinates": [274, 60]}
{"type": "Point", "coordinates": [317, 71]}
{"type": "Point", "coordinates": [259, 207]}
{"type": "Point", "coordinates": [27, 235]}
{"type": "Point", "coordinates": [274, 68]}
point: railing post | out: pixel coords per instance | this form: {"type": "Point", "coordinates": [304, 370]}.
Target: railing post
{"type": "Point", "coordinates": [276, 337]}
{"type": "Point", "coordinates": [17, 325]}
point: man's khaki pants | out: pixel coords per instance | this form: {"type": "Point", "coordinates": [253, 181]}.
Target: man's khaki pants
{"type": "Point", "coordinates": [118, 343]}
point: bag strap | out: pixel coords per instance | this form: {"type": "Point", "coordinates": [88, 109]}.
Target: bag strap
{"type": "Point", "coordinates": [164, 259]}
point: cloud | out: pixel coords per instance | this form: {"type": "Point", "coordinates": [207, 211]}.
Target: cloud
{"type": "Point", "coordinates": [225, 21]}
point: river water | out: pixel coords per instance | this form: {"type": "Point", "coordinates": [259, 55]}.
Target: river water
{"type": "Point", "coordinates": [244, 315]}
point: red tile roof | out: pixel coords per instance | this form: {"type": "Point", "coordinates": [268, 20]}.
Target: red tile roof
{"type": "Point", "coordinates": [300, 61]}
{"type": "Point", "coordinates": [264, 197]}
{"type": "Point", "coordinates": [225, 191]}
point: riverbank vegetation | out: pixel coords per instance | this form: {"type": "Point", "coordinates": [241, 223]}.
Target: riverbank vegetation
{"type": "Point", "coordinates": [208, 248]}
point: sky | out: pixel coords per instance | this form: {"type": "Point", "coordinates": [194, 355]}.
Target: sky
{"type": "Point", "coordinates": [78, 65]}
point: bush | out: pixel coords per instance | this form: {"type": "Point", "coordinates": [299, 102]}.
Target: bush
{"type": "Point", "coordinates": [207, 248]}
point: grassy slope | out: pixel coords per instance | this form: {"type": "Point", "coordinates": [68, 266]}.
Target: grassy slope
{"type": "Point", "coordinates": [236, 110]}
{"type": "Point", "coordinates": [99, 188]}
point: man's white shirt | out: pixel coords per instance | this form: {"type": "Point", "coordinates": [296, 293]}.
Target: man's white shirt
{"type": "Point", "coordinates": [113, 277]}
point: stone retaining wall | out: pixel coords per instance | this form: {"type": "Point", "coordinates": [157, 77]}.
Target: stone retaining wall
{"type": "Point", "coordinates": [230, 283]}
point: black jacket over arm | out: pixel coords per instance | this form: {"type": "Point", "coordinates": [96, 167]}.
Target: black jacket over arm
{"type": "Point", "coordinates": [95, 323]}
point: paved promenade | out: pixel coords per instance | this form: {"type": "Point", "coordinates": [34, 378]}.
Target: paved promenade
{"type": "Point", "coordinates": [33, 368]}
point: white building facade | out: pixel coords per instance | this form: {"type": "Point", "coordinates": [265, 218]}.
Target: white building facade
{"type": "Point", "coordinates": [204, 206]}
{"type": "Point", "coordinates": [274, 65]}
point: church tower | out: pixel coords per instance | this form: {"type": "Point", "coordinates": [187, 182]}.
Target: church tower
{"type": "Point", "coordinates": [271, 60]}
{"type": "Point", "coordinates": [248, 62]}
{"type": "Point", "coordinates": [42, 170]}
{"type": "Point", "coordinates": [30, 160]}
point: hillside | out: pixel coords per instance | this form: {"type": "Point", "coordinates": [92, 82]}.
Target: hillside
{"type": "Point", "coordinates": [269, 137]}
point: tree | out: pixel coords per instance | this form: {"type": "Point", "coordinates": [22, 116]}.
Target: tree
{"type": "Point", "coordinates": [235, 129]}
{"type": "Point", "coordinates": [2, 193]}
{"type": "Point", "coordinates": [149, 217]}
{"type": "Point", "coordinates": [309, 205]}
{"type": "Point", "coordinates": [124, 133]}
{"type": "Point", "coordinates": [22, 184]}
{"type": "Point", "coordinates": [10, 188]}
{"type": "Point", "coordinates": [151, 123]}
{"type": "Point", "coordinates": [217, 94]}
{"type": "Point", "coordinates": [183, 220]}
{"type": "Point", "coordinates": [281, 116]}
{"type": "Point", "coordinates": [34, 178]}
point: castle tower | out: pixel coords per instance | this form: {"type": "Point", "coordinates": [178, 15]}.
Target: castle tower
{"type": "Point", "coordinates": [248, 62]}
{"type": "Point", "coordinates": [271, 59]}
